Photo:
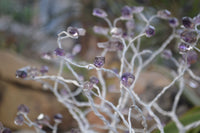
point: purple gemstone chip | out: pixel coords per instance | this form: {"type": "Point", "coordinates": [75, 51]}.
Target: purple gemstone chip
{"type": "Point", "coordinates": [59, 52]}
{"type": "Point", "coordinates": [187, 22]}
{"type": "Point", "coordinates": [173, 22]}
{"type": "Point", "coordinates": [150, 31]}
{"type": "Point", "coordinates": [183, 47]}
{"type": "Point", "coordinates": [189, 36]}
{"type": "Point", "coordinates": [99, 61]}
{"type": "Point", "coordinates": [99, 13]}
{"type": "Point", "coordinates": [73, 32]}
{"type": "Point", "coordinates": [44, 69]}
{"type": "Point", "coordinates": [94, 80]}
{"type": "Point", "coordinates": [23, 109]}
{"type": "Point", "coordinates": [126, 12]}
{"type": "Point", "coordinates": [21, 74]}
{"type": "Point", "coordinates": [125, 35]}
{"type": "Point", "coordinates": [127, 79]}
{"type": "Point", "coordinates": [19, 120]}
{"type": "Point", "coordinates": [58, 118]}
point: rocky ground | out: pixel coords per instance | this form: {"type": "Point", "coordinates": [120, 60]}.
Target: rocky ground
{"type": "Point", "coordinates": [15, 91]}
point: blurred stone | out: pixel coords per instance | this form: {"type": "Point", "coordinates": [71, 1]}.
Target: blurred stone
{"type": "Point", "coordinates": [10, 63]}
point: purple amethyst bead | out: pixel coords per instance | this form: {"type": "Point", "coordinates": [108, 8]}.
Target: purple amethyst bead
{"type": "Point", "coordinates": [44, 69]}
{"type": "Point", "coordinates": [99, 61]}
{"type": "Point", "coordinates": [187, 22]}
{"type": "Point", "coordinates": [127, 79]}
{"type": "Point", "coordinates": [173, 22]}
{"type": "Point", "coordinates": [150, 31]}
{"type": "Point", "coordinates": [189, 36]}
{"type": "Point", "coordinates": [94, 80]}
{"type": "Point", "coordinates": [99, 13]}
{"type": "Point", "coordinates": [59, 52]}
{"type": "Point", "coordinates": [19, 120]}
{"type": "Point", "coordinates": [21, 73]}
{"type": "Point", "coordinates": [58, 118]}
{"type": "Point", "coordinates": [73, 32]}
{"type": "Point", "coordinates": [23, 109]}
{"type": "Point", "coordinates": [125, 35]}
{"type": "Point", "coordinates": [183, 47]}
{"type": "Point", "coordinates": [126, 12]}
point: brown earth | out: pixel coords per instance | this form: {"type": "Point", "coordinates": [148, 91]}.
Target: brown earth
{"type": "Point", "coordinates": [15, 91]}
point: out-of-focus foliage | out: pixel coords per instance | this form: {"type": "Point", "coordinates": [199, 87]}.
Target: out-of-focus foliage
{"type": "Point", "coordinates": [189, 117]}
{"type": "Point", "coordinates": [21, 11]}
{"type": "Point", "coordinates": [177, 7]}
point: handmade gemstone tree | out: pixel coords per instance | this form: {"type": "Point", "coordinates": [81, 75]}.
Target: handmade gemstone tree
{"type": "Point", "coordinates": [133, 59]}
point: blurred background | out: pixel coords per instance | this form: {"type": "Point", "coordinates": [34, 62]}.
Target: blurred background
{"type": "Point", "coordinates": [29, 28]}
